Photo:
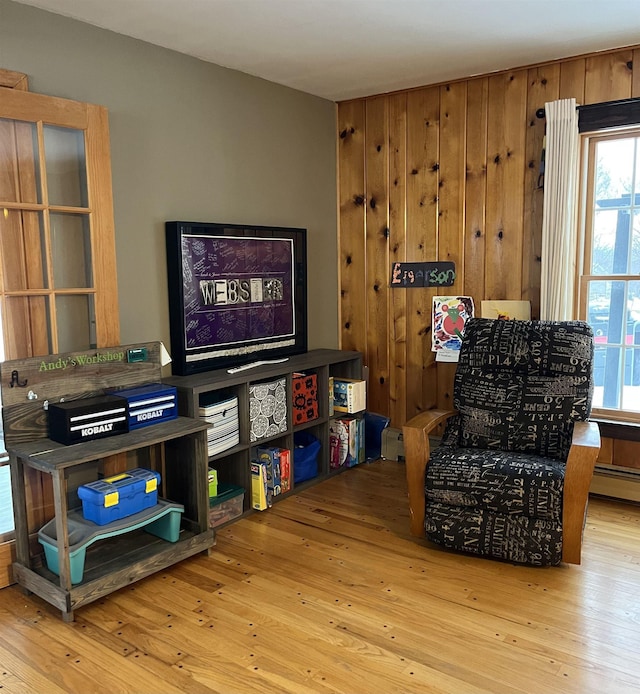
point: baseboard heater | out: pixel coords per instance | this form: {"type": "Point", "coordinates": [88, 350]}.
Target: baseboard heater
{"type": "Point", "coordinates": [616, 482]}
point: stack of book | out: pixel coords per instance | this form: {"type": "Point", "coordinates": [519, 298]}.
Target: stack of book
{"type": "Point", "coordinates": [224, 430]}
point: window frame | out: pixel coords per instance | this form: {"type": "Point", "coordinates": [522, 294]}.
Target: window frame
{"type": "Point", "coordinates": [589, 141]}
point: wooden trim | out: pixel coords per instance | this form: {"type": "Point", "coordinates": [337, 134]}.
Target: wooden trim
{"type": "Point", "coordinates": [610, 114]}
{"type": "Point", "coordinates": [415, 434]}
{"type": "Point", "coordinates": [530, 66]}
{"type": "Point", "coordinates": [102, 227]}
{"type": "Point", "coordinates": [27, 106]}
{"type": "Point", "coordinates": [581, 462]}
{"type": "Point", "coordinates": [14, 80]}
{"type": "Point", "coordinates": [7, 557]}
{"type": "Point", "coordinates": [620, 430]}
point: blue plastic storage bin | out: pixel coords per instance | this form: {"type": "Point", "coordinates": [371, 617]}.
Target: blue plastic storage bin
{"type": "Point", "coordinates": [305, 456]}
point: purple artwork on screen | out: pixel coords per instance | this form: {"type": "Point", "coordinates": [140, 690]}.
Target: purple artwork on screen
{"type": "Point", "coordinates": [238, 292]}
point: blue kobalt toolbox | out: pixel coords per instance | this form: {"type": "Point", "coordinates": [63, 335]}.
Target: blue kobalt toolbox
{"type": "Point", "coordinates": [149, 404]}
{"type": "Point", "coordinates": [112, 498]}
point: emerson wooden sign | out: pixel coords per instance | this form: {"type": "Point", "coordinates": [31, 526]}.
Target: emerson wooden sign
{"type": "Point", "coordinates": [432, 274]}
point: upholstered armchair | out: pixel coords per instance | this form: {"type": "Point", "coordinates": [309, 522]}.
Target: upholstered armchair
{"type": "Point", "coordinates": [510, 477]}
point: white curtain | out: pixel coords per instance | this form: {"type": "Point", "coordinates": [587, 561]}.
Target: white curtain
{"type": "Point", "coordinates": [559, 217]}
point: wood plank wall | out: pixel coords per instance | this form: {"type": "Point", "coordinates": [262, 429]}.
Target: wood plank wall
{"type": "Point", "coordinates": [447, 172]}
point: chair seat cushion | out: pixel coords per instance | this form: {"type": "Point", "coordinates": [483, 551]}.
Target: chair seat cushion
{"type": "Point", "coordinates": [508, 483]}
{"type": "Point", "coordinates": [516, 539]}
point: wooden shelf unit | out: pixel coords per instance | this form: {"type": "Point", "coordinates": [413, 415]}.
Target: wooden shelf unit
{"type": "Point", "coordinates": [233, 465]}
{"type": "Point", "coordinates": [45, 475]}
{"type": "Point", "coordinates": [117, 562]}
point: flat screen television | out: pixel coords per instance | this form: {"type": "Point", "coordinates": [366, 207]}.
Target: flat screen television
{"type": "Point", "coordinates": [237, 294]}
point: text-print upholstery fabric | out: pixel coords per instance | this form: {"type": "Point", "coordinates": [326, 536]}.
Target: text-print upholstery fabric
{"type": "Point", "coordinates": [494, 485]}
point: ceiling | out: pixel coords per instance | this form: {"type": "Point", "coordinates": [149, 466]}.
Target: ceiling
{"type": "Point", "coordinates": [341, 49]}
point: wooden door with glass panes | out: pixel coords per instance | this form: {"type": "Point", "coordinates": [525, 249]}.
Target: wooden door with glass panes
{"type": "Point", "coordinates": [58, 289]}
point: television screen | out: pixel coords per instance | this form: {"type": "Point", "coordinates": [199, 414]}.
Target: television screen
{"type": "Point", "coordinates": [237, 294]}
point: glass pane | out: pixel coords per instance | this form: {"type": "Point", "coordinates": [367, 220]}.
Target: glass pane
{"type": "Point", "coordinates": [637, 179]}
{"type": "Point", "coordinates": [29, 333]}
{"type": "Point", "coordinates": [614, 171]}
{"type": "Point", "coordinates": [614, 313]}
{"type": "Point", "coordinates": [71, 251]}
{"type": "Point", "coordinates": [19, 163]}
{"type": "Point", "coordinates": [631, 386]}
{"type": "Point", "coordinates": [606, 310]}
{"type": "Point", "coordinates": [605, 240]}
{"type": "Point", "coordinates": [23, 250]}
{"type": "Point", "coordinates": [76, 322]}
{"type": "Point", "coordinates": [635, 244]}
{"type": "Point", "coordinates": [607, 367]}
{"type": "Point", "coordinates": [66, 166]}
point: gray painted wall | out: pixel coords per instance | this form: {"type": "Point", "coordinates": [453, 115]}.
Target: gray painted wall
{"type": "Point", "coordinates": [190, 141]}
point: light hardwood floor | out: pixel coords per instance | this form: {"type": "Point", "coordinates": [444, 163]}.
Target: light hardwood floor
{"type": "Point", "coordinates": [327, 592]}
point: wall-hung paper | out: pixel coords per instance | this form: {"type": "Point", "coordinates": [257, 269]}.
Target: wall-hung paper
{"type": "Point", "coordinates": [506, 310]}
{"type": "Point", "coordinates": [450, 314]}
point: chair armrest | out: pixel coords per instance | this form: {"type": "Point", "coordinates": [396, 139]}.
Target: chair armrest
{"type": "Point", "coordinates": [581, 461]}
{"type": "Point", "coordinates": [415, 435]}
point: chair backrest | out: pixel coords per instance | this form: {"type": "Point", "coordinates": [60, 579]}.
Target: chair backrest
{"type": "Point", "coordinates": [521, 385]}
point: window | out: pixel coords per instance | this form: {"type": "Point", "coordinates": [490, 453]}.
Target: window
{"type": "Point", "coordinates": [609, 287]}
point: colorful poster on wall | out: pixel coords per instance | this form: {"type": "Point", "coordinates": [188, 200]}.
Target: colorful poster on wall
{"type": "Point", "coordinates": [450, 314]}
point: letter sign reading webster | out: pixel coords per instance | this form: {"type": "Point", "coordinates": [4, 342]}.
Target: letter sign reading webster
{"type": "Point", "coordinates": [230, 292]}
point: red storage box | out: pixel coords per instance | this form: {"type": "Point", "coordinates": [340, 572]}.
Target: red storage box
{"type": "Point", "coordinates": [305, 397]}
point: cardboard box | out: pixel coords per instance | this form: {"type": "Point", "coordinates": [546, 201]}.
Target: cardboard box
{"type": "Point", "coordinates": [112, 498]}
{"type": "Point", "coordinates": [331, 410]}
{"type": "Point", "coordinates": [271, 456]}
{"type": "Point", "coordinates": [392, 444]}
{"type": "Point", "coordinates": [88, 419]}
{"type": "Point", "coordinates": [349, 395]}
{"type": "Point", "coordinates": [359, 454]}
{"type": "Point", "coordinates": [285, 469]}
{"type": "Point", "coordinates": [304, 397]}
{"type": "Point", "coordinates": [338, 444]}
{"type": "Point", "coordinates": [349, 441]}
{"type": "Point", "coordinates": [259, 495]}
